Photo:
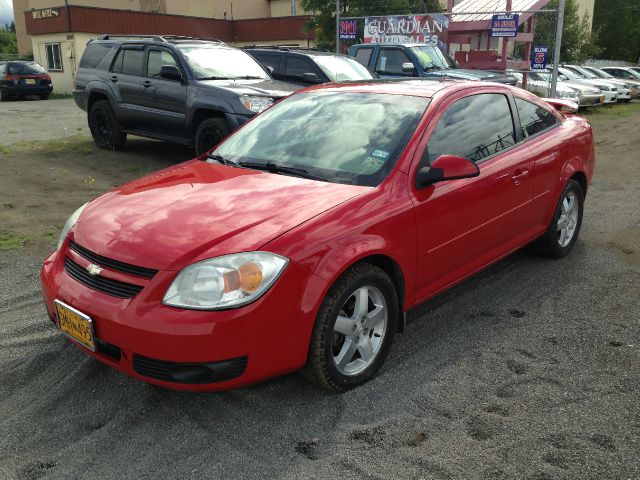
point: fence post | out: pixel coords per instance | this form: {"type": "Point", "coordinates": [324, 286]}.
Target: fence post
{"type": "Point", "coordinates": [337, 26]}
{"type": "Point", "coordinates": [556, 49]}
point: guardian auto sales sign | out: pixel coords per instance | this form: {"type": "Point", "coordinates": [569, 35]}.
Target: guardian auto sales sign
{"type": "Point", "coordinates": [430, 29]}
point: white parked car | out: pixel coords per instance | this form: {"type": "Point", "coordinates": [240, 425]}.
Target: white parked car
{"type": "Point", "coordinates": [632, 83]}
{"type": "Point", "coordinates": [624, 92]}
{"type": "Point", "coordinates": [540, 83]}
{"type": "Point", "coordinates": [609, 90]}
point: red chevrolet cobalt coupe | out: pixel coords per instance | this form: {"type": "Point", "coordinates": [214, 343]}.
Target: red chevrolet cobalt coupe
{"type": "Point", "coordinates": [300, 241]}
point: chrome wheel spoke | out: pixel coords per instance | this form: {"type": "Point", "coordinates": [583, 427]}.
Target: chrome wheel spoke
{"type": "Point", "coordinates": [362, 302]}
{"type": "Point", "coordinates": [365, 348]}
{"type": "Point", "coordinates": [374, 317]}
{"type": "Point", "coordinates": [562, 223]}
{"type": "Point", "coordinates": [568, 219]}
{"type": "Point", "coordinates": [344, 325]}
{"type": "Point", "coordinates": [347, 352]}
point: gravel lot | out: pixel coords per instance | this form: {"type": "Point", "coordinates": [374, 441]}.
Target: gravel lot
{"type": "Point", "coordinates": [34, 120]}
{"type": "Point", "coordinates": [529, 370]}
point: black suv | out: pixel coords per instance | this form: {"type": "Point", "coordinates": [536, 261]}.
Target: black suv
{"type": "Point", "coordinates": [309, 66]}
{"type": "Point", "coordinates": [19, 78]}
{"type": "Point", "coordinates": [177, 89]}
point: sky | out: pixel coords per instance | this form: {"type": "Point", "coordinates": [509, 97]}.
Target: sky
{"type": "Point", "coordinates": [6, 12]}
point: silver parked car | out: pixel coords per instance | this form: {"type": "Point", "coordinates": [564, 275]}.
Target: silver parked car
{"type": "Point", "coordinates": [540, 83]}
{"type": "Point", "coordinates": [624, 92]}
{"type": "Point", "coordinates": [609, 90]}
{"type": "Point", "coordinates": [631, 83]}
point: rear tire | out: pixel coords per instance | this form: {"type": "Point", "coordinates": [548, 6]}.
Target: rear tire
{"type": "Point", "coordinates": [354, 329]}
{"type": "Point", "coordinates": [562, 234]}
{"type": "Point", "coordinates": [104, 126]}
{"type": "Point", "coordinates": [4, 95]}
{"type": "Point", "coordinates": [210, 133]}
{"type": "Point", "coordinates": [44, 97]}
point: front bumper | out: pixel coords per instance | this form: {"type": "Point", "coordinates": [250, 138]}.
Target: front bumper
{"type": "Point", "coordinates": [591, 100]}
{"type": "Point", "coordinates": [609, 97]}
{"type": "Point", "coordinates": [188, 349]}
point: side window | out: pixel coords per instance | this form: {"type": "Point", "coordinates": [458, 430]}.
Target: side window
{"type": "Point", "coordinates": [272, 61]}
{"type": "Point", "coordinates": [296, 67]}
{"type": "Point", "coordinates": [54, 59]}
{"type": "Point", "coordinates": [129, 62]}
{"type": "Point", "coordinates": [474, 127]}
{"type": "Point", "coordinates": [390, 61]}
{"type": "Point", "coordinates": [364, 55]}
{"type": "Point", "coordinates": [534, 119]}
{"type": "Point", "coordinates": [94, 54]}
{"type": "Point", "coordinates": [158, 58]}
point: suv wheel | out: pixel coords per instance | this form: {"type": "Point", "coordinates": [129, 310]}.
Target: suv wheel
{"type": "Point", "coordinates": [210, 132]}
{"type": "Point", "coordinates": [105, 129]}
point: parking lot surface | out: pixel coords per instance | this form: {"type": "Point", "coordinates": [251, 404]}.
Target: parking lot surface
{"type": "Point", "coordinates": [529, 370]}
{"type": "Point", "coordinates": [35, 120]}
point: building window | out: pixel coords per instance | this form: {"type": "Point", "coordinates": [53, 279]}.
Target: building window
{"type": "Point", "coordinates": [54, 59]}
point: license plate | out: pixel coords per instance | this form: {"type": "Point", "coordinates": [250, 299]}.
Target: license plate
{"type": "Point", "coordinates": [30, 81]}
{"type": "Point", "coordinates": [75, 325]}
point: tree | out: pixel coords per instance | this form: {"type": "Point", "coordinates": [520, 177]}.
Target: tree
{"type": "Point", "coordinates": [8, 41]}
{"type": "Point", "coordinates": [618, 22]}
{"type": "Point", "coordinates": [324, 19]}
{"type": "Point", "coordinates": [579, 40]}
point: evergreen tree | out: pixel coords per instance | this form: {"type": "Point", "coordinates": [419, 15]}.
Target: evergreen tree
{"type": "Point", "coordinates": [618, 22]}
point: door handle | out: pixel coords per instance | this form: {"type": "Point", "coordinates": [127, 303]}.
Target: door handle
{"type": "Point", "coordinates": [114, 78]}
{"type": "Point", "coordinates": [146, 83]}
{"type": "Point", "coordinates": [519, 176]}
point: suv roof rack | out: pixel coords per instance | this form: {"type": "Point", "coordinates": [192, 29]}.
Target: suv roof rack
{"type": "Point", "coordinates": [156, 38]}
{"type": "Point", "coordinates": [286, 48]}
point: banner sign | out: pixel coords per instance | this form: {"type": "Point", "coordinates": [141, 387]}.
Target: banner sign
{"type": "Point", "coordinates": [539, 57]}
{"type": "Point", "coordinates": [504, 25]}
{"type": "Point", "coordinates": [348, 29]}
{"type": "Point", "coordinates": [45, 13]}
{"type": "Point", "coordinates": [431, 29]}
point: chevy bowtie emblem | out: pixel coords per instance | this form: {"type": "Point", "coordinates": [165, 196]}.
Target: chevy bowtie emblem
{"type": "Point", "coordinates": [93, 269]}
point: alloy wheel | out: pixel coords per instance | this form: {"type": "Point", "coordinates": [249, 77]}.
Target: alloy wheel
{"type": "Point", "coordinates": [568, 220]}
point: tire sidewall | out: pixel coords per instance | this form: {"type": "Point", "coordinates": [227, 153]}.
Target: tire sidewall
{"type": "Point", "coordinates": [217, 125]}
{"type": "Point", "coordinates": [329, 315]}
{"type": "Point", "coordinates": [111, 143]}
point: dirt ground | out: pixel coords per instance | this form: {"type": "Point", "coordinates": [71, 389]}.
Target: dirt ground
{"type": "Point", "coordinates": [529, 370]}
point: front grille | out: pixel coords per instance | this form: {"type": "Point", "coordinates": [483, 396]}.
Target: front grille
{"type": "Point", "coordinates": [100, 283]}
{"type": "Point", "coordinates": [112, 351]}
{"type": "Point", "coordinates": [190, 373]}
{"type": "Point", "coordinates": [112, 264]}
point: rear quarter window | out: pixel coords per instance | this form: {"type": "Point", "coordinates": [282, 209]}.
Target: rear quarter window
{"type": "Point", "coordinates": [93, 54]}
{"type": "Point", "coordinates": [533, 118]}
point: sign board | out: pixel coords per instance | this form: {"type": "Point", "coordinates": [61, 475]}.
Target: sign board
{"type": "Point", "coordinates": [504, 25]}
{"type": "Point", "coordinates": [431, 29]}
{"type": "Point", "coordinates": [348, 29]}
{"type": "Point", "coordinates": [45, 13]}
{"type": "Point", "coordinates": [539, 57]}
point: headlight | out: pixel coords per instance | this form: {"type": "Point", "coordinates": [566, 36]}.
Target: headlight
{"type": "Point", "coordinates": [256, 104]}
{"type": "Point", "coordinates": [71, 221]}
{"type": "Point", "coordinates": [567, 94]}
{"type": "Point", "coordinates": [225, 282]}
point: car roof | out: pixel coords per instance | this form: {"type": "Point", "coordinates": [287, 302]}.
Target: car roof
{"type": "Point", "coordinates": [414, 88]}
{"type": "Point", "coordinates": [394, 44]}
{"type": "Point", "coordinates": [311, 52]}
{"type": "Point", "coordinates": [155, 39]}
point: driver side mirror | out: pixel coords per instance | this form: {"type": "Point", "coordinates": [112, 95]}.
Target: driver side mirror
{"type": "Point", "coordinates": [269, 69]}
{"type": "Point", "coordinates": [170, 72]}
{"type": "Point", "coordinates": [311, 78]}
{"type": "Point", "coordinates": [407, 67]}
{"type": "Point", "coordinates": [446, 167]}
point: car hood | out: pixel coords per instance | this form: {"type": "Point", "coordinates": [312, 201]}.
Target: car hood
{"type": "Point", "coordinates": [582, 87]}
{"type": "Point", "coordinates": [478, 75]}
{"type": "Point", "coordinates": [199, 210]}
{"type": "Point", "coordinates": [268, 88]}
{"type": "Point", "coordinates": [596, 83]}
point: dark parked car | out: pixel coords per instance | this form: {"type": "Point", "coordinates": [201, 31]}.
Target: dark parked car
{"type": "Point", "coordinates": [20, 78]}
{"type": "Point", "coordinates": [419, 60]}
{"type": "Point", "coordinates": [309, 66]}
{"type": "Point", "coordinates": [177, 89]}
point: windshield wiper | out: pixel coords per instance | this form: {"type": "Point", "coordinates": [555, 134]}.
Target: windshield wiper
{"type": "Point", "coordinates": [248, 77]}
{"type": "Point", "coordinates": [215, 78]}
{"type": "Point", "coordinates": [282, 169]}
{"type": "Point", "coordinates": [221, 159]}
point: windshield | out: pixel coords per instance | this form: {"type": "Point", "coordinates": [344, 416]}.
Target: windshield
{"type": "Point", "coordinates": [569, 74]}
{"type": "Point", "coordinates": [431, 58]}
{"type": "Point", "coordinates": [601, 73]}
{"type": "Point", "coordinates": [586, 73]}
{"type": "Point", "coordinates": [25, 69]}
{"type": "Point", "coordinates": [343, 68]}
{"type": "Point", "coordinates": [221, 63]}
{"type": "Point", "coordinates": [353, 138]}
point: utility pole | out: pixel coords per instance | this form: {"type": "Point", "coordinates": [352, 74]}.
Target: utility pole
{"type": "Point", "coordinates": [556, 49]}
{"type": "Point", "coordinates": [337, 26]}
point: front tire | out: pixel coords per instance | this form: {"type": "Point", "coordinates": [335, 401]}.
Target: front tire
{"type": "Point", "coordinates": [104, 126]}
{"type": "Point", "coordinates": [210, 132]}
{"type": "Point", "coordinates": [354, 329]}
{"type": "Point", "coordinates": [564, 229]}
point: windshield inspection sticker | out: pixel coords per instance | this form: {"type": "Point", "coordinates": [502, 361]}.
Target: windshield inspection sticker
{"type": "Point", "coordinates": [380, 153]}
{"type": "Point", "coordinates": [373, 162]}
